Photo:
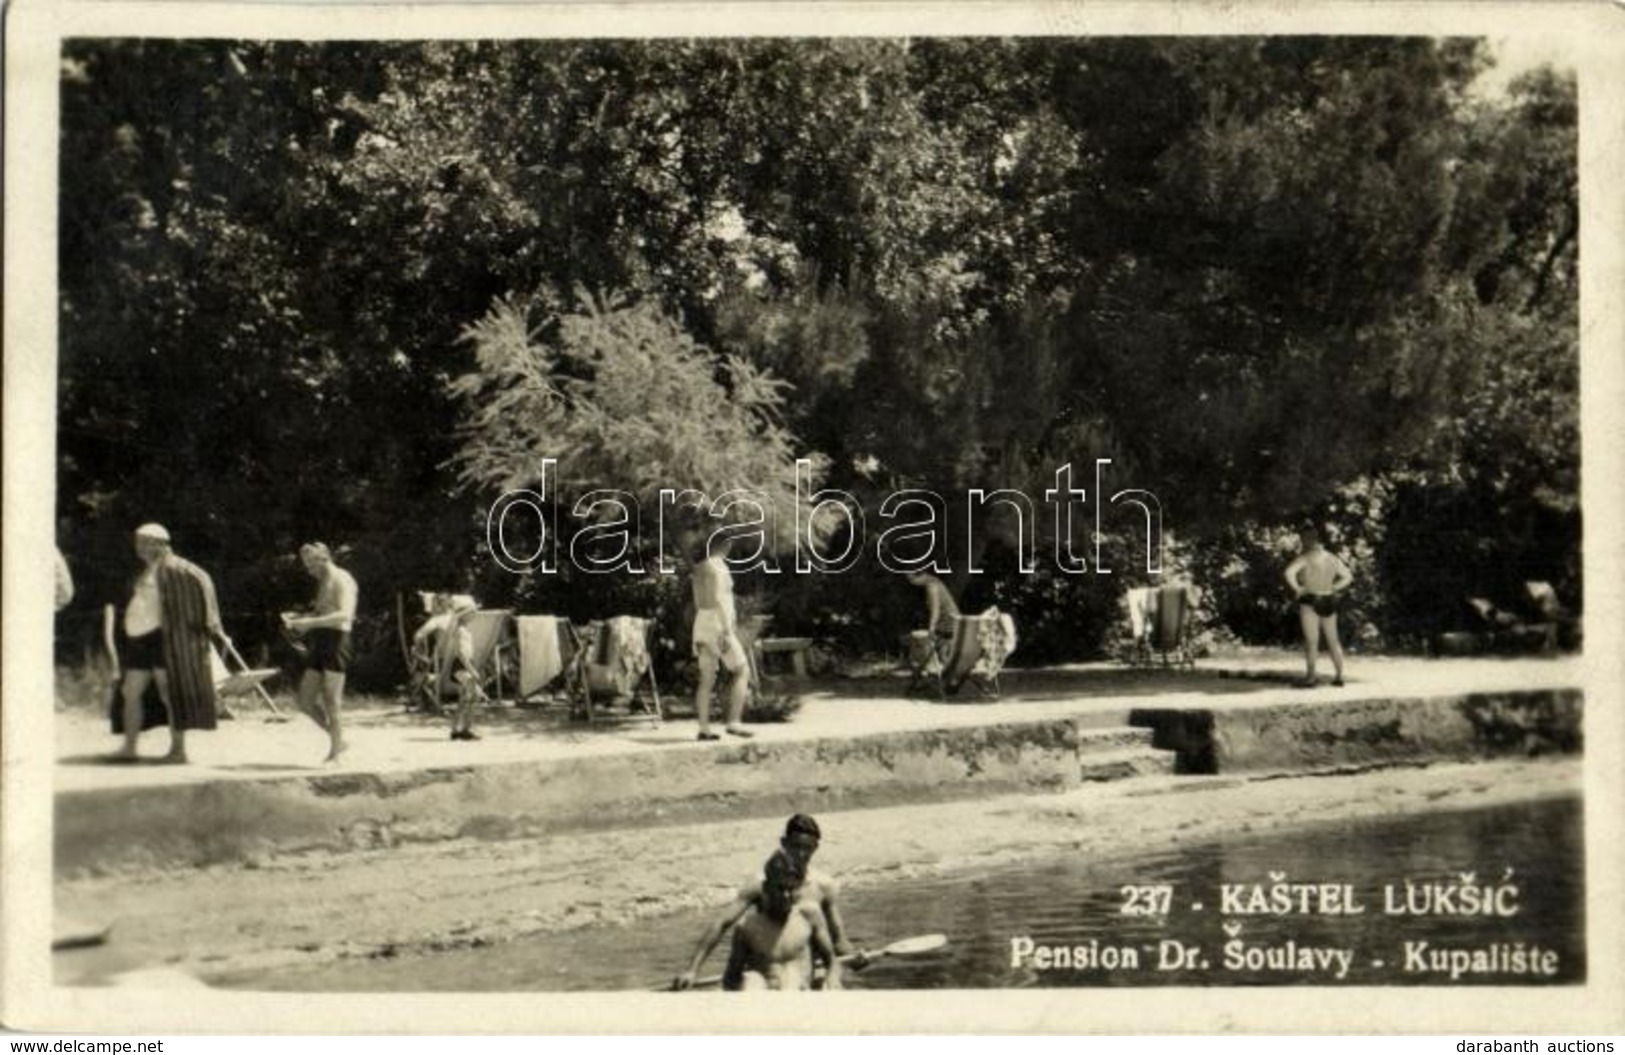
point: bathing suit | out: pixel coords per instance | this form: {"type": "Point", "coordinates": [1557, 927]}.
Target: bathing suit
{"type": "Point", "coordinates": [1324, 604]}
{"type": "Point", "coordinates": [329, 650]}
{"type": "Point", "coordinates": [145, 652]}
{"type": "Point", "coordinates": [712, 639]}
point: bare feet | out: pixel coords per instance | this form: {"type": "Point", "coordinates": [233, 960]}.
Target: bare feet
{"type": "Point", "coordinates": [174, 758]}
{"type": "Point", "coordinates": [335, 753]}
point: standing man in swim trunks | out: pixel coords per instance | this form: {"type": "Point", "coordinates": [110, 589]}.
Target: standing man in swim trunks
{"type": "Point", "coordinates": [1316, 578]}
{"type": "Point", "coordinates": [327, 638]}
{"type": "Point", "coordinates": [716, 639]}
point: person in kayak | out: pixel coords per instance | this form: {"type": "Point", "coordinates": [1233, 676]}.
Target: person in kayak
{"type": "Point", "coordinates": [781, 934]}
{"type": "Point", "coordinates": [800, 841]}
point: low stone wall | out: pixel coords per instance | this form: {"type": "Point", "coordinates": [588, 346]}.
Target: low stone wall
{"type": "Point", "coordinates": [240, 821]}
{"type": "Point", "coordinates": [192, 825]}
{"type": "Point", "coordinates": [1300, 737]}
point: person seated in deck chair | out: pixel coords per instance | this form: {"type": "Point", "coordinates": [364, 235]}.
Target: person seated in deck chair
{"type": "Point", "coordinates": [941, 611]}
{"type": "Point", "coordinates": [940, 607]}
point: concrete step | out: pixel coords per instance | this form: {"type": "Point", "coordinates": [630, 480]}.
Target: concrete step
{"type": "Point", "coordinates": [1122, 764]}
{"type": "Point", "coordinates": [1121, 753]}
{"type": "Point", "coordinates": [1111, 738]}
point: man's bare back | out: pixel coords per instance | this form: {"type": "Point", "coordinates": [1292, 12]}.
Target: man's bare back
{"type": "Point", "coordinates": [713, 585]}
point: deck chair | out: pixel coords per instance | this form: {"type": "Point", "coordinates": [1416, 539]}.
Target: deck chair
{"type": "Point", "coordinates": [431, 680]}
{"type": "Point", "coordinates": [974, 653]}
{"type": "Point", "coordinates": [611, 662]}
{"type": "Point", "coordinates": [1160, 622]}
{"type": "Point", "coordinates": [420, 647]}
{"type": "Point", "coordinates": [547, 647]}
{"type": "Point", "coordinates": [1511, 632]}
{"type": "Point", "coordinates": [244, 682]}
{"type": "Point", "coordinates": [1140, 602]}
{"type": "Point", "coordinates": [1561, 627]}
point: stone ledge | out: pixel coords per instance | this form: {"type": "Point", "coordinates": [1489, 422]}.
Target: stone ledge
{"type": "Point", "coordinates": [225, 822]}
{"type": "Point", "coordinates": [1359, 733]}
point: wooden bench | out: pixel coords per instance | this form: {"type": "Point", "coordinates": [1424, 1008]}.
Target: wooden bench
{"type": "Point", "coordinates": [796, 648]}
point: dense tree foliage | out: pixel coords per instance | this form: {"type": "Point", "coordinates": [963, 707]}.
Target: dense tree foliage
{"type": "Point", "coordinates": [351, 290]}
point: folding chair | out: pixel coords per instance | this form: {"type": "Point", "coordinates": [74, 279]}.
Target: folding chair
{"type": "Point", "coordinates": [1160, 622]}
{"type": "Point", "coordinates": [547, 650]}
{"type": "Point", "coordinates": [421, 647]}
{"type": "Point", "coordinates": [245, 682]}
{"type": "Point", "coordinates": [432, 683]}
{"type": "Point", "coordinates": [1511, 632]}
{"type": "Point", "coordinates": [976, 653]}
{"type": "Point", "coordinates": [610, 663]}
{"type": "Point", "coordinates": [923, 651]}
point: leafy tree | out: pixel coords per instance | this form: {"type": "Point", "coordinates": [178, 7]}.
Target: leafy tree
{"type": "Point", "coordinates": [621, 396]}
{"type": "Point", "coordinates": [1250, 271]}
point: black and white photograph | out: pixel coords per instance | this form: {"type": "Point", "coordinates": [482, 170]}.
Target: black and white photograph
{"type": "Point", "coordinates": [1002, 521]}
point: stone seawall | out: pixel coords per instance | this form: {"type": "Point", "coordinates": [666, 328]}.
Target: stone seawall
{"type": "Point", "coordinates": [1366, 732]}
{"type": "Point", "coordinates": [190, 825]}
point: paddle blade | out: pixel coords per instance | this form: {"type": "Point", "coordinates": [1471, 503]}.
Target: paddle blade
{"type": "Point", "coordinates": [915, 946]}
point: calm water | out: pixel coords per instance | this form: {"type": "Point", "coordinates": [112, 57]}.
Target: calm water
{"type": "Point", "coordinates": [1067, 902]}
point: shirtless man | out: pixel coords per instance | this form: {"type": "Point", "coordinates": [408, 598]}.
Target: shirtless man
{"type": "Point", "coordinates": [799, 843]}
{"type": "Point", "coordinates": [1316, 578]}
{"type": "Point", "coordinates": [327, 638]}
{"type": "Point", "coordinates": [780, 935]}
{"type": "Point", "coordinates": [716, 639]}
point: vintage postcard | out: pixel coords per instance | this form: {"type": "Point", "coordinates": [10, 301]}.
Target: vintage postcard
{"type": "Point", "coordinates": [1038, 518]}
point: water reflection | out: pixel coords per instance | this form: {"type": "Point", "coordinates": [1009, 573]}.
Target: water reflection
{"type": "Point", "coordinates": [1075, 909]}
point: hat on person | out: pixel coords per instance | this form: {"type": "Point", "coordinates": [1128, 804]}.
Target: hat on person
{"type": "Point", "coordinates": [464, 606]}
{"type": "Point", "coordinates": [152, 531]}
